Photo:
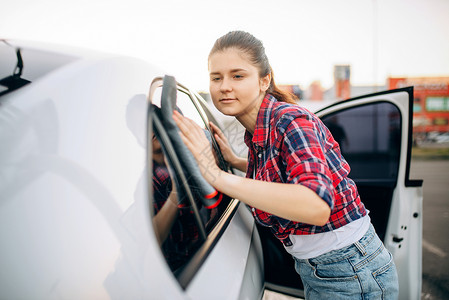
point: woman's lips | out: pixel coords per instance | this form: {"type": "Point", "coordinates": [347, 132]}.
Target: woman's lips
{"type": "Point", "coordinates": [227, 100]}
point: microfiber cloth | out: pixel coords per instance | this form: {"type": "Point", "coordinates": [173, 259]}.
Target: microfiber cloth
{"type": "Point", "coordinates": [208, 195]}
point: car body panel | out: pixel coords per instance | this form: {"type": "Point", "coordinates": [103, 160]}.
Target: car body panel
{"type": "Point", "coordinates": [74, 221]}
{"type": "Point", "coordinates": [75, 217]}
{"type": "Point", "coordinates": [237, 258]}
{"type": "Point", "coordinates": [403, 235]}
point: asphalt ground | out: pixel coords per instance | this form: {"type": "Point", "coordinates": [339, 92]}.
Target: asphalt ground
{"type": "Point", "coordinates": [435, 173]}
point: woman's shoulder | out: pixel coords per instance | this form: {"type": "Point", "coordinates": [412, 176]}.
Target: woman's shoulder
{"type": "Point", "coordinates": [286, 112]}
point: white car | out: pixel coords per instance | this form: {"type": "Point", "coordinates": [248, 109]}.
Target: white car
{"type": "Point", "coordinates": [82, 142]}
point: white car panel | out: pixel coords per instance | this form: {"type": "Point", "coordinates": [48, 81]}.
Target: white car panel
{"type": "Point", "coordinates": [230, 260]}
{"type": "Point", "coordinates": [75, 217]}
{"type": "Point", "coordinates": [74, 223]}
{"type": "Point", "coordinates": [403, 235]}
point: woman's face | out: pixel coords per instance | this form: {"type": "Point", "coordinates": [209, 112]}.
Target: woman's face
{"type": "Point", "coordinates": [235, 85]}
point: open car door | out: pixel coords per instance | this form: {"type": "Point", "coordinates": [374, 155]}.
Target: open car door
{"type": "Point", "coordinates": [375, 135]}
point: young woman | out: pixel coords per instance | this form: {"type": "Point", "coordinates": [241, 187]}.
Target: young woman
{"type": "Point", "coordinates": [296, 179]}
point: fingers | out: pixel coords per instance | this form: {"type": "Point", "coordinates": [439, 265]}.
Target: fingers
{"type": "Point", "coordinates": [196, 141]}
{"type": "Point", "coordinates": [188, 127]}
{"type": "Point", "coordinates": [221, 142]}
{"type": "Point", "coordinates": [219, 135]}
{"type": "Point", "coordinates": [217, 130]}
{"type": "Point", "coordinates": [184, 129]}
{"type": "Point", "coordinates": [192, 135]}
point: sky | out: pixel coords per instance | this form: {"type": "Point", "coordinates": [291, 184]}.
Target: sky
{"type": "Point", "coordinates": [303, 39]}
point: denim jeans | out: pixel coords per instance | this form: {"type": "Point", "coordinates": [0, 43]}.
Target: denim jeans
{"type": "Point", "coordinates": [363, 270]}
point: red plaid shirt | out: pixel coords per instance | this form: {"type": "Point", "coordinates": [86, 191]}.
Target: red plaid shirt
{"type": "Point", "coordinates": [292, 145]}
{"type": "Point", "coordinates": [180, 244]}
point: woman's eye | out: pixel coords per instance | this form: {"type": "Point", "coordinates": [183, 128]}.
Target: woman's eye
{"type": "Point", "coordinates": [238, 76]}
{"type": "Point", "coordinates": [215, 78]}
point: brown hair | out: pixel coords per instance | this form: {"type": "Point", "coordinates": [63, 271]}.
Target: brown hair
{"type": "Point", "coordinates": [254, 48]}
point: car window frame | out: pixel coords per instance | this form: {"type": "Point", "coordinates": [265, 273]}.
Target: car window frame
{"type": "Point", "coordinates": [392, 182]}
{"type": "Point", "coordinates": [188, 271]}
{"type": "Point", "coordinates": [407, 181]}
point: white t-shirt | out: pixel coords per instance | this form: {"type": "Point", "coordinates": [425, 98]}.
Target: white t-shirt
{"type": "Point", "coordinates": [313, 245]}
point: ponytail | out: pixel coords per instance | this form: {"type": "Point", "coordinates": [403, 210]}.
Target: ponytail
{"type": "Point", "coordinates": [279, 94]}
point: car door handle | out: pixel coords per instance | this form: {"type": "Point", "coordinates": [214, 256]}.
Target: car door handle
{"type": "Point", "coordinates": [397, 239]}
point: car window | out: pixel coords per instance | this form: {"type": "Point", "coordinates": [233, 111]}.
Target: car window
{"type": "Point", "coordinates": [187, 224]}
{"type": "Point", "coordinates": [369, 137]}
{"type": "Point", "coordinates": [184, 103]}
{"type": "Point", "coordinates": [174, 220]}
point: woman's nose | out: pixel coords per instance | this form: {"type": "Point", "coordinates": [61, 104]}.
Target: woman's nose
{"type": "Point", "coordinates": [225, 85]}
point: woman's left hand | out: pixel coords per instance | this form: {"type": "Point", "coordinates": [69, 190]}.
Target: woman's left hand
{"type": "Point", "coordinates": [196, 141]}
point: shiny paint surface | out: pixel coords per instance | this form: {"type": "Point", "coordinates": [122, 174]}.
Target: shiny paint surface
{"type": "Point", "coordinates": [74, 199]}
{"type": "Point", "coordinates": [74, 215]}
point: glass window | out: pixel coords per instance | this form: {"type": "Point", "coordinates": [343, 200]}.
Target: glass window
{"type": "Point", "coordinates": [185, 105]}
{"type": "Point", "coordinates": [369, 137]}
{"type": "Point", "coordinates": [180, 220]}
{"type": "Point", "coordinates": [437, 104]}
{"type": "Point", "coordinates": [174, 219]}
{"type": "Point", "coordinates": [417, 107]}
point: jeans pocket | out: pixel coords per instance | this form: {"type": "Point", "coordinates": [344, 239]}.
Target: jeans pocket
{"type": "Point", "coordinates": [387, 279]}
{"type": "Point", "coordinates": [333, 280]}
{"type": "Point", "coordinates": [335, 271]}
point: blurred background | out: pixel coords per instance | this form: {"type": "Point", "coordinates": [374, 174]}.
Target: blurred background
{"type": "Point", "coordinates": [321, 50]}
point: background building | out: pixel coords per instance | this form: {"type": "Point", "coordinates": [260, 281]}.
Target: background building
{"type": "Point", "coordinates": [342, 81]}
{"type": "Point", "coordinates": [430, 105]}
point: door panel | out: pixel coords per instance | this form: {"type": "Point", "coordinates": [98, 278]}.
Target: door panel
{"type": "Point", "coordinates": [382, 176]}
{"type": "Point", "coordinates": [375, 135]}
{"type": "Point", "coordinates": [369, 136]}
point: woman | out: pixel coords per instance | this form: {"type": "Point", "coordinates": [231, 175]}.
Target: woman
{"type": "Point", "coordinates": [296, 179]}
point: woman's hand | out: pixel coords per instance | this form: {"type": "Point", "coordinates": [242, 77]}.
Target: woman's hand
{"type": "Point", "coordinates": [226, 150]}
{"type": "Point", "coordinates": [222, 141]}
{"type": "Point", "coordinates": [196, 141]}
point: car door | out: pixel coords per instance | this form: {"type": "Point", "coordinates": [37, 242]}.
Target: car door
{"type": "Point", "coordinates": [211, 252]}
{"type": "Point", "coordinates": [375, 135]}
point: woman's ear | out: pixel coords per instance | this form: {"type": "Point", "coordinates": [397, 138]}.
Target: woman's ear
{"type": "Point", "coordinates": [265, 82]}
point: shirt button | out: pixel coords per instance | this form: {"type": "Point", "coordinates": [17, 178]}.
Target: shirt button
{"type": "Point", "coordinates": [253, 209]}
{"type": "Point", "coordinates": [259, 155]}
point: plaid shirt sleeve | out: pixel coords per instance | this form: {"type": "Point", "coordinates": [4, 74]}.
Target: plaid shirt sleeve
{"type": "Point", "coordinates": [303, 150]}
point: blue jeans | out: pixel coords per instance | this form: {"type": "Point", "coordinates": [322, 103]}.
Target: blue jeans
{"type": "Point", "coordinates": [363, 270]}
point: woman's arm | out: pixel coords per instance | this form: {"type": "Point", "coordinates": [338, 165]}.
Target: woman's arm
{"type": "Point", "coordinates": [289, 201]}
{"type": "Point", "coordinates": [164, 219]}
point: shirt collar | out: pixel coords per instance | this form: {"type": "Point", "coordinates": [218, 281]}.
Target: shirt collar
{"type": "Point", "coordinates": [262, 128]}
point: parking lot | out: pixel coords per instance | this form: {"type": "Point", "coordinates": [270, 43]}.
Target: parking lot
{"type": "Point", "coordinates": [435, 174]}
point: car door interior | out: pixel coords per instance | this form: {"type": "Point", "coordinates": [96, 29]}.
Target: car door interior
{"type": "Point", "coordinates": [369, 136]}
{"type": "Point", "coordinates": [370, 139]}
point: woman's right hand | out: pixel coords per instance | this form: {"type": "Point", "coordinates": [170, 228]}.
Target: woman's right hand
{"type": "Point", "coordinates": [226, 150]}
